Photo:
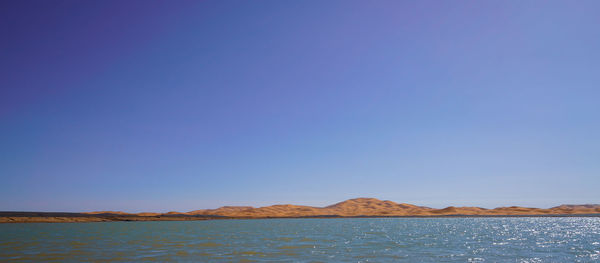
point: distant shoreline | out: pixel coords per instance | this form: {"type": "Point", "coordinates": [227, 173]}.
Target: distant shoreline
{"type": "Point", "coordinates": [37, 217]}
{"type": "Point", "coordinates": [352, 208]}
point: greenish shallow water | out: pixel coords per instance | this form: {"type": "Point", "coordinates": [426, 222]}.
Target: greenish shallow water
{"type": "Point", "coordinates": [562, 239]}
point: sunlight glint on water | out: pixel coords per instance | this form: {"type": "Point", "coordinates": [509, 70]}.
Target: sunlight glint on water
{"type": "Point", "coordinates": [566, 239]}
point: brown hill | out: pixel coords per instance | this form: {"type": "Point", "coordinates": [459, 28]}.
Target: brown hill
{"type": "Point", "coordinates": [570, 209]}
{"type": "Point", "coordinates": [107, 213]}
{"type": "Point", "coordinates": [375, 207]}
{"type": "Point", "coordinates": [368, 207]}
{"type": "Point", "coordinates": [350, 208]}
{"type": "Point", "coordinates": [221, 210]}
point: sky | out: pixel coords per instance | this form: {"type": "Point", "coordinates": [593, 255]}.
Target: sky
{"type": "Point", "coordinates": [184, 105]}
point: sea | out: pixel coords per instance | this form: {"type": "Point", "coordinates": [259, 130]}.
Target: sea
{"type": "Point", "coordinates": [448, 239]}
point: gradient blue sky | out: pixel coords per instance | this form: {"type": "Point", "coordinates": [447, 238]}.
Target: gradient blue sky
{"type": "Point", "coordinates": [182, 105]}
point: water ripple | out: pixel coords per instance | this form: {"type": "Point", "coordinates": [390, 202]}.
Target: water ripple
{"type": "Point", "coordinates": [567, 239]}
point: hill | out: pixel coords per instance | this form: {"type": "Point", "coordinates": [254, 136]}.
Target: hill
{"type": "Point", "coordinates": [358, 207]}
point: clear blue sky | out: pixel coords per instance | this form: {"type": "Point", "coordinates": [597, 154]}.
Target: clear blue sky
{"type": "Point", "coordinates": [183, 105]}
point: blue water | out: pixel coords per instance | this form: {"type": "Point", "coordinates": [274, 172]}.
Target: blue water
{"type": "Point", "coordinates": [566, 239]}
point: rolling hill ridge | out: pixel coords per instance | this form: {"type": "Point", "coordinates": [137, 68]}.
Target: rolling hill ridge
{"type": "Point", "coordinates": [357, 207]}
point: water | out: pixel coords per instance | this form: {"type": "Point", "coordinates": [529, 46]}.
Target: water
{"type": "Point", "coordinates": [566, 239]}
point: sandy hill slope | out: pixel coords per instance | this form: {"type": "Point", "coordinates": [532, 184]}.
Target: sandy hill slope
{"type": "Point", "coordinates": [588, 208]}
{"type": "Point", "coordinates": [357, 207]}
{"type": "Point", "coordinates": [221, 210]}
{"type": "Point", "coordinates": [367, 207]}
{"type": "Point", "coordinates": [107, 213]}
{"type": "Point", "coordinates": [375, 207]}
